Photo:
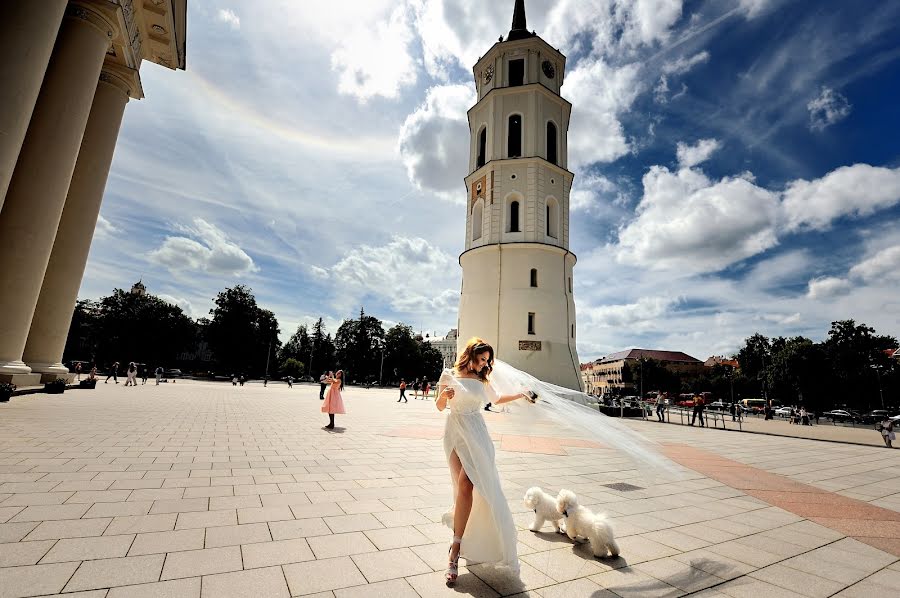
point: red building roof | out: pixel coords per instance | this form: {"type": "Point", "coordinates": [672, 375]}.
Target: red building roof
{"type": "Point", "coordinates": [670, 356]}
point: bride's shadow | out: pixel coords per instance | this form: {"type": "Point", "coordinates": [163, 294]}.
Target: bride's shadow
{"type": "Point", "coordinates": [335, 430]}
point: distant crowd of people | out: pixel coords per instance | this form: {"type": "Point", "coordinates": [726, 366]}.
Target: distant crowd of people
{"type": "Point", "coordinates": [132, 372]}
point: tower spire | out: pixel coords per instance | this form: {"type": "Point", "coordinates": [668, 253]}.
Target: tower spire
{"type": "Point", "coordinates": [519, 23]}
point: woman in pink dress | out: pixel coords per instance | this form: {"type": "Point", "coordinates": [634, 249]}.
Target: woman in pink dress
{"type": "Point", "coordinates": [333, 401]}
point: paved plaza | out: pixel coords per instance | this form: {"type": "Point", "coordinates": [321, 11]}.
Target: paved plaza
{"type": "Point", "coordinates": [200, 489]}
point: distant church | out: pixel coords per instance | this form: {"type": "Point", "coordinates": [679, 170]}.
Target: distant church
{"type": "Point", "coordinates": [517, 267]}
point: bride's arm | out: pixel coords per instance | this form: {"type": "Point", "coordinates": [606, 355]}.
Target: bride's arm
{"type": "Point", "coordinates": [509, 398]}
{"type": "Point", "coordinates": [444, 394]}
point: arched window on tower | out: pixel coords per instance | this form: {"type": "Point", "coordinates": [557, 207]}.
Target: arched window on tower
{"type": "Point", "coordinates": [516, 72]}
{"type": "Point", "coordinates": [514, 137]}
{"type": "Point", "coordinates": [514, 217]}
{"type": "Point", "coordinates": [482, 147]}
{"type": "Point", "coordinates": [477, 219]}
{"type": "Point", "coordinates": [552, 218]}
{"type": "Point", "coordinates": [551, 143]}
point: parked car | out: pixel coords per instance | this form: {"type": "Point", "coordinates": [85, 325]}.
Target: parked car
{"type": "Point", "coordinates": [841, 415]}
{"type": "Point", "coordinates": [717, 406]}
{"type": "Point", "coordinates": [173, 373]}
{"type": "Point", "coordinates": [783, 411]}
{"type": "Point", "coordinates": [873, 416]}
{"type": "Point", "coordinates": [307, 379]}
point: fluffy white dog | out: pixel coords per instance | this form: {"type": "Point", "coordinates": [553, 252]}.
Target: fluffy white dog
{"type": "Point", "coordinates": [582, 522]}
{"type": "Point", "coordinates": [544, 507]}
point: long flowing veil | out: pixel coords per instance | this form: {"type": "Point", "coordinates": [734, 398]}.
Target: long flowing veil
{"type": "Point", "coordinates": [572, 408]}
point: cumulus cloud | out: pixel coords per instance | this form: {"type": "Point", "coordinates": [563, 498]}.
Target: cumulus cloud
{"type": "Point", "coordinates": [753, 8]}
{"type": "Point", "coordinates": [413, 275]}
{"type": "Point", "coordinates": [884, 265]}
{"type": "Point", "coordinates": [434, 141]}
{"type": "Point", "coordinates": [857, 190]}
{"type": "Point", "coordinates": [375, 58]}
{"type": "Point", "coordinates": [105, 228]}
{"type": "Point", "coordinates": [685, 220]}
{"type": "Point", "coordinates": [206, 249]}
{"type": "Point", "coordinates": [827, 287]}
{"type": "Point", "coordinates": [184, 304]}
{"type": "Point", "coordinates": [645, 311]}
{"type": "Point", "coordinates": [691, 155]}
{"type": "Point", "coordinates": [228, 16]}
{"type": "Point", "coordinates": [826, 109]}
{"type": "Point", "coordinates": [590, 191]}
{"type": "Point", "coordinates": [602, 94]}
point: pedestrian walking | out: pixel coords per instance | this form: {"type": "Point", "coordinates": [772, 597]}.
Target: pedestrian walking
{"type": "Point", "coordinates": [426, 388]}
{"type": "Point", "coordinates": [403, 391]}
{"type": "Point", "coordinates": [131, 374]}
{"type": "Point", "coordinates": [233, 380]}
{"type": "Point", "coordinates": [416, 385]}
{"type": "Point", "coordinates": [114, 374]}
{"type": "Point", "coordinates": [265, 381]}
{"type": "Point", "coordinates": [159, 375]}
{"type": "Point", "coordinates": [699, 405]}
{"type": "Point", "coordinates": [93, 374]}
{"type": "Point", "coordinates": [334, 403]}
{"type": "Point", "coordinates": [322, 384]}
{"type": "Point", "coordinates": [290, 381]}
{"type": "Point", "coordinates": [144, 373]}
{"type": "Point", "coordinates": [886, 427]}
{"type": "Point", "coordinates": [661, 407]}
{"type": "Point", "coordinates": [242, 379]}
{"type": "Point", "coordinates": [804, 417]}
{"type": "Point", "coordinates": [78, 371]}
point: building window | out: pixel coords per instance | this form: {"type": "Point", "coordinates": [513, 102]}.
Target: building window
{"type": "Point", "coordinates": [514, 137]}
{"type": "Point", "coordinates": [551, 143]}
{"type": "Point", "coordinates": [531, 322]}
{"type": "Point", "coordinates": [573, 330]}
{"type": "Point", "coordinates": [514, 217]}
{"type": "Point", "coordinates": [482, 147]}
{"type": "Point", "coordinates": [552, 218]}
{"type": "Point", "coordinates": [534, 277]}
{"type": "Point", "coordinates": [570, 284]}
{"type": "Point", "coordinates": [477, 218]}
{"type": "Point", "coordinates": [516, 72]}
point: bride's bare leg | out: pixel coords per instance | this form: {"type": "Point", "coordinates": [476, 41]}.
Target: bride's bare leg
{"type": "Point", "coordinates": [463, 506]}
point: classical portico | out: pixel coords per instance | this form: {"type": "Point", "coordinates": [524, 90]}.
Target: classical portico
{"type": "Point", "coordinates": [61, 107]}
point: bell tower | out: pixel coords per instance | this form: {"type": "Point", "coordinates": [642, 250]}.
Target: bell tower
{"type": "Point", "coordinates": [517, 267]}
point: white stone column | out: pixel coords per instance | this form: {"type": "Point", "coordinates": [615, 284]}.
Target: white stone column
{"type": "Point", "coordinates": [29, 30]}
{"type": "Point", "coordinates": [53, 314]}
{"type": "Point", "coordinates": [37, 192]}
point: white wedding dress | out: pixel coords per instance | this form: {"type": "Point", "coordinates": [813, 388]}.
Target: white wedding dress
{"type": "Point", "coordinates": [490, 535]}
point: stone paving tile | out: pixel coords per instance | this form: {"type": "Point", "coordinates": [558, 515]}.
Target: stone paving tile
{"type": "Point", "coordinates": [13, 532]}
{"type": "Point", "coordinates": [206, 519]}
{"type": "Point", "coordinates": [139, 524]}
{"type": "Point", "coordinates": [235, 535]}
{"type": "Point", "coordinates": [263, 514]}
{"type": "Point", "coordinates": [23, 553]}
{"type": "Point", "coordinates": [217, 503]}
{"type": "Point", "coordinates": [180, 505]}
{"type": "Point", "coordinates": [268, 582]}
{"type": "Point", "coordinates": [300, 528]}
{"type": "Point", "coordinates": [119, 509]}
{"type": "Point", "coordinates": [69, 528]}
{"type": "Point", "coordinates": [51, 513]}
{"type": "Point", "coordinates": [279, 552]}
{"type": "Point", "coordinates": [352, 523]}
{"type": "Point", "coordinates": [202, 562]}
{"type": "Point", "coordinates": [178, 588]}
{"type": "Point", "coordinates": [396, 537]}
{"type": "Point", "coordinates": [33, 499]}
{"type": "Point", "coordinates": [398, 588]}
{"type": "Point", "coordinates": [322, 575]}
{"type": "Point", "coordinates": [167, 541]}
{"type": "Point", "coordinates": [16, 582]}
{"type": "Point", "coordinates": [340, 545]}
{"type": "Point", "coordinates": [84, 549]}
{"type": "Point", "coordinates": [108, 573]}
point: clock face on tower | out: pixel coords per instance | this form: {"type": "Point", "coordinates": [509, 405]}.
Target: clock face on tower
{"type": "Point", "coordinates": [548, 69]}
{"type": "Point", "coordinates": [488, 74]}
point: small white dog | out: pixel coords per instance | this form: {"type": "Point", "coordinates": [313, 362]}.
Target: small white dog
{"type": "Point", "coordinates": [544, 507]}
{"type": "Point", "coordinates": [582, 522]}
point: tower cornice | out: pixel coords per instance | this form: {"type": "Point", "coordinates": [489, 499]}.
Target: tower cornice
{"type": "Point", "coordinates": [517, 89]}
{"type": "Point", "coordinates": [512, 45]}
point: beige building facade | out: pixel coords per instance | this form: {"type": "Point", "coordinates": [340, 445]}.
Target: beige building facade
{"type": "Point", "coordinates": [607, 375]}
{"type": "Point", "coordinates": [68, 71]}
{"type": "Point", "coordinates": [517, 267]}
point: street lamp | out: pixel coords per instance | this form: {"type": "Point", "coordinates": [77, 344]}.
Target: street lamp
{"type": "Point", "coordinates": [379, 343]}
{"type": "Point", "coordinates": [878, 375]}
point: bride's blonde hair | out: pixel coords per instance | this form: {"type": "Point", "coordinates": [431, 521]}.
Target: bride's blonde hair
{"type": "Point", "coordinates": [475, 346]}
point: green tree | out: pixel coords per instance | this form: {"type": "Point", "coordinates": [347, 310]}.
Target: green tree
{"type": "Point", "coordinates": [292, 367]}
{"type": "Point", "coordinates": [432, 361]}
{"type": "Point", "coordinates": [402, 358]}
{"type": "Point", "coordinates": [856, 357]}
{"type": "Point", "coordinates": [240, 333]}
{"type": "Point", "coordinates": [358, 347]}
{"type": "Point", "coordinates": [754, 357]}
{"type": "Point", "coordinates": [654, 375]}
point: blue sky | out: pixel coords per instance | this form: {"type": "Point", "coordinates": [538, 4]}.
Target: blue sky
{"type": "Point", "coordinates": [737, 164]}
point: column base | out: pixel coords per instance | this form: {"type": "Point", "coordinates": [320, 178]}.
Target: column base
{"type": "Point", "coordinates": [22, 380]}
{"type": "Point", "coordinates": [14, 367]}
{"type": "Point", "coordinates": [50, 377]}
{"type": "Point", "coordinates": [57, 369]}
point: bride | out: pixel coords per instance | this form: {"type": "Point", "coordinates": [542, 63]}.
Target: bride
{"type": "Point", "coordinates": [482, 524]}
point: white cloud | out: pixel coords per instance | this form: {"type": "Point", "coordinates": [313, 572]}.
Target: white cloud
{"type": "Point", "coordinates": [686, 221]}
{"type": "Point", "coordinates": [602, 93]}
{"type": "Point", "coordinates": [105, 229]}
{"type": "Point", "coordinates": [643, 313]}
{"type": "Point", "coordinates": [753, 8]}
{"type": "Point", "coordinates": [826, 109]}
{"type": "Point", "coordinates": [691, 155]}
{"type": "Point", "coordinates": [411, 274]}
{"type": "Point", "coordinates": [434, 141]}
{"type": "Point", "coordinates": [884, 266]}
{"type": "Point", "coordinates": [827, 287]}
{"type": "Point", "coordinates": [206, 250]}
{"type": "Point", "coordinates": [181, 302]}
{"type": "Point", "coordinates": [857, 190]}
{"type": "Point", "coordinates": [590, 191]}
{"type": "Point", "coordinates": [684, 64]}
{"type": "Point", "coordinates": [228, 16]}
{"type": "Point", "coordinates": [374, 58]}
